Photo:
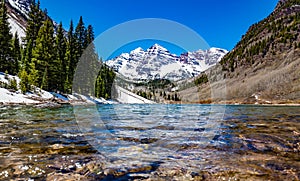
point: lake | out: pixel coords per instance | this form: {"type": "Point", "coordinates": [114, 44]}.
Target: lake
{"type": "Point", "coordinates": [127, 142]}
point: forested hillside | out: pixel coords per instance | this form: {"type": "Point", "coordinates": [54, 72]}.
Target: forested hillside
{"type": "Point", "coordinates": [276, 34]}
{"type": "Point", "coordinates": [264, 66]}
{"type": "Point", "coordinates": [47, 56]}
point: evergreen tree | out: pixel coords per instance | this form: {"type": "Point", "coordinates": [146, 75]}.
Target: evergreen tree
{"type": "Point", "coordinates": [60, 49]}
{"type": "Point", "coordinates": [45, 83]}
{"type": "Point", "coordinates": [80, 36]}
{"type": "Point", "coordinates": [24, 81]}
{"type": "Point", "coordinates": [16, 52]}
{"type": "Point", "coordinates": [104, 83]}
{"type": "Point", "coordinates": [45, 14]}
{"type": "Point", "coordinates": [70, 58]}
{"type": "Point", "coordinates": [12, 84]}
{"type": "Point", "coordinates": [89, 38]}
{"type": "Point", "coordinates": [34, 23]}
{"type": "Point", "coordinates": [88, 66]}
{"type": "Point", "coordinates": [79, 42]}
{"type": "Point", "coordinates": [6, 61]}
{"type": "Point", "coordinates": [27, 56]}
{"type": "Point", "coordinates": [41, 65]}
{"type": "Point", "coordinates": [44, 57]}
{"type": "Point", "coordinates": [32, 76]}
{"type": "Point", "coordinates": [103, 79]}
{"type": "Point", "coordinates": [91, 59]}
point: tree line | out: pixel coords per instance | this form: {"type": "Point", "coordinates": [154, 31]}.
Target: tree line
{"type": "Point", "coordinates": [273, 35]}
{"type": "Point", "coordinates": [47, 56]}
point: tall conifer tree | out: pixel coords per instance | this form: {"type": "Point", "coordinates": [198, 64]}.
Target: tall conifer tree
{"type": "Point", "coordinates": [34, 23]}
{"type": "Point", "coordinates": [16, 52]}
{"type": "Point", "coordinates": [44, 57]}
{"type": "Point", "coordinates": [88, 66]}
{"type": "Point", "coordinates": [60, 49]}
{"type": "Point", "coordinates": [70, 58]}
{"type": "Point", "coordinates": [6, 61]}
{"type": "Point", "coordinates": [80, 36]}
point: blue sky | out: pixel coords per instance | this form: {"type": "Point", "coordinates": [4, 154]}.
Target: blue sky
{"type": "Point", "coordinates": [221, 23]}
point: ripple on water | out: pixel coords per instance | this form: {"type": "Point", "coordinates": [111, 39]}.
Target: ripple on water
{"type": "Point", "coordinates": [150, 141]}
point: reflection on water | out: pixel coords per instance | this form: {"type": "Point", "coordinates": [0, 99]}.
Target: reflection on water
{"type": "Point", "coordinates": [183, 142]}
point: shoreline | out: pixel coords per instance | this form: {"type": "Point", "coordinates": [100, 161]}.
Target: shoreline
{"type": "Point", "coordinates": [236, 102]}
{"type": "Point", "coordinates": [56, 103]}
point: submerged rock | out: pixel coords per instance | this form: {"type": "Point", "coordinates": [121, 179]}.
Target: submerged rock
{"type": "Point", "coordinates": [48, 105]}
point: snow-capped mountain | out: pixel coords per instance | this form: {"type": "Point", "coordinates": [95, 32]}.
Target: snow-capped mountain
{"type": "Point", "coordinates": [18, 13]}
{"type": "Point", "coordinates": [158, 63]}
{"type": "Point", "coordinates": [23, 6]}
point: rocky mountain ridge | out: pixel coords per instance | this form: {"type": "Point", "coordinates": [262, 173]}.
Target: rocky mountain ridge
{"type": "Point", "coordinates": [18, 14]}
{"type": "Point", "coordinates": [264, 66]}
{"type": "Point", "coordinates": [158, 63]}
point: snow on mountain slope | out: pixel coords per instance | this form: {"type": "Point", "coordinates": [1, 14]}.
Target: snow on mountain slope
{"type": "Point", "coordinates": [16, 27]}
{"type": "Point", "coordinates": [18, 13]}
{"type": "Point", "coordinates": [23, 6]}
{"type": "Point", "coordinates": [158, 63]}
{"type": "Point", "coordinates": [126, 97]}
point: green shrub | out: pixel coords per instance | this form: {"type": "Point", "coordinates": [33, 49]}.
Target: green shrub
{"type": "Point", "coordinates": [12, 84]}
{"type": "Point", "coordinates": [201, 80]}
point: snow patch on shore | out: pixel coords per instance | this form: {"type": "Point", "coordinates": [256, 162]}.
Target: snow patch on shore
{"type": "Point", "coordinates": [126, 97]}
{"type": "Point", "coordinates": [39, 96]}
{"type": "Point", "coordinates": [14, 98]}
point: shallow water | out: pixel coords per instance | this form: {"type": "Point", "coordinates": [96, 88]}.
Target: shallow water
{"type": "Point", "coordinates": [153, 142]}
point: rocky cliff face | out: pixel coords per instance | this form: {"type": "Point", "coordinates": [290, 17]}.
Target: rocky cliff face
{"type": "Point", "coordinates": [265, 65]}
{"type": "Point", "coordinates": [18, 13]}
{"type": "Point", "coordinates": [158, 63]}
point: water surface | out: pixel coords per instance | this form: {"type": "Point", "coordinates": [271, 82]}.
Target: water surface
{"type": "Point", "coordinates": [150, 142]}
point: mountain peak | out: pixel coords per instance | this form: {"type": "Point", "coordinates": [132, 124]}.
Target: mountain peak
{"type": "Point", "coordinates": [214, 49]}
{"type": "Point", "coordinates": [158, 63]}
{"type": "Point", "coordinates": [157, 47]}
{"type": "Point", "coordinates": [137, 50]}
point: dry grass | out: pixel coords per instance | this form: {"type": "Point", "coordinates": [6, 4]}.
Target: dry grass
{"type": "Point", "coordinates": [276, 80]}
